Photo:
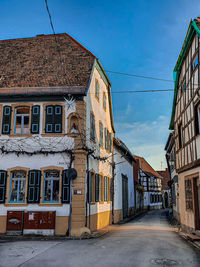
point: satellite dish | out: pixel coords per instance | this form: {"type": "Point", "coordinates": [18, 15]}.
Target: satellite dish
{"type": "Point", "coordinates": [72, 174]}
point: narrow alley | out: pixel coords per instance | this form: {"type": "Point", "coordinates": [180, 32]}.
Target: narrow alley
{"type": "Point", "coordinates": [148, 240]}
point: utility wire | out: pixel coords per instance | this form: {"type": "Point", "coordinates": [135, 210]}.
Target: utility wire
{"type": "Point", "coordinates": [50, 17]}
{"type": "Point", "coordinates": [139, 76]}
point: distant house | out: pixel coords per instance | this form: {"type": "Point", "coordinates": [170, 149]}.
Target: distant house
{"type": "Point", "coordinates": [55, 116]}
{"type": "Point", "coordinates": [150, 180]}
{"type": "Point", "coordinates": [124, 195]}
{"type": "Point", "coordinates": [170, 157]}
{"type": "Point", "coordinates": [166, 188]}
{"type": "Point", "coordinates": [185, 121]}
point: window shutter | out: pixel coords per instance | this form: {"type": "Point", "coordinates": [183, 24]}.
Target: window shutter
{"type": "Point", "coordinates": [35, 119]}
{"type": "Point", "coordinates": [89, 187]}
{"type": "Point", "coordinates": [57, 127]}
{"type": "Point", "coordinates": [97, 187]}
{"type": "Point", "coordinates": [197, 119]}
{"type": "Point", "coordinates": [34, 178]}
{"type": "Point", "coordinates": [110, 137]}
{"type": "Point", "coordinates": [3, 179]}
{"type": "Point", "coordinates": [105, 188]}
{"type": "Point", "coordinates": [6, 120]}
{"type": "Point", "coordinates": [49, 123]}
{"type": "Point", "coordinates": [106, 138]}
{"type": "Point", "coordinates": [65, 187]}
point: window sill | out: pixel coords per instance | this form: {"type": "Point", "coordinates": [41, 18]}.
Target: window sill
{"type": "Point", "coordinates": [52, 134]}
{"type": "Point", "coordinates": [50, 204]}
{"type": "Point", "coordinates": [15, 204]}
{"type": "Point", "coordinates": [20, 135]}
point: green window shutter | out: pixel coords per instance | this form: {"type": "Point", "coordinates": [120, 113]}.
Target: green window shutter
{"type": "Point", "coordinates": [34, 180]}
{"type": "Point", "coordinates": [35, 119]}
{"type": "Point", "coordinates": [6, 121]}
{"type": "Point", "coordinates": [57, 119]}
{"type": "Point", "coordinates": [111, 144]}
{"type": "Point", "coordinates": [49, 119]}
{"type": "Point", "coordinates": [3, 180]}
{"type": "Point", "coordinates": [92, 126]}
{"type": "Point", "coordinates": [89, 187]}
{"type": "Point", "coordinates": [101, 134]}
{"type": "Point", "coordinates": [105, 188]}
{"type": "Point", "coordinates": [106, 138]}
{"type": "Point", "coordinates": [65, 187]}
{"type": "Point", "coordinates": [97, 187]}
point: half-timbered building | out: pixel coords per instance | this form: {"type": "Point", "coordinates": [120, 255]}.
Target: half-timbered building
{"type": "Point", "coordinates": [150, 180]}
{"type": "Point", "coordinates": [185, 122]}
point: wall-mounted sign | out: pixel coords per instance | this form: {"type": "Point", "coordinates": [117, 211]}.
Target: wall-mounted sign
{"type": "Point", "coordinates": [78, 192]}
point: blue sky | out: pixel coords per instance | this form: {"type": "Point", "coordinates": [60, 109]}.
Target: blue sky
{"type": "Point", "coordinates": [141, 37]}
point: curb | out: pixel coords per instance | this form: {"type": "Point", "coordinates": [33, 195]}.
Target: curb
{"type": "Point", "coordinates": [195, 244]}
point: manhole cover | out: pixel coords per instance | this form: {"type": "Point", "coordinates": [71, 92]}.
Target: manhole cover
{"type": "Point", "coordinates": [165, 262]}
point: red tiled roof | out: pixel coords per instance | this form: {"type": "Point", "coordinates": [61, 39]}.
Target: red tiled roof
{"type": "Point", "coordinates": [166, 177]}
{"type": "Point", "coordinates": [36, 62]}
{"type": "Point", "coordinates": [146, 167]}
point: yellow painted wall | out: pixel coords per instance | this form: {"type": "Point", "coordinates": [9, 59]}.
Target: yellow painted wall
{"type": "Point", "coordinates": [61, 225]}
{"type": "Point", "coordinates": [3, 219]}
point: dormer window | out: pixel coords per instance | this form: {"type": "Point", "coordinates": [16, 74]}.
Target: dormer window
{"type": "Point", "coordinates": [22, 118]}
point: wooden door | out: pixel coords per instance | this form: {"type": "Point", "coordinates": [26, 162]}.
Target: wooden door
{"type": "Point", "coordinates": [15, 221]}
{"type": "Point", "coordinates": [125, 196]}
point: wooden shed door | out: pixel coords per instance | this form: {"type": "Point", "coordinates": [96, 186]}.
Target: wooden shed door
{"type": "Point", "coordinates": [15, 221]}
{"type": "Point", "coordinates": [125, 196]}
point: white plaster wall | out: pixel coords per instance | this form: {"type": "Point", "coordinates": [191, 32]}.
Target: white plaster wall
{"type": "Point", "coordinates": [92, 105]}
{"type": "Point", "coordinates": [38, 161]}
{"type": "Point", "coordinates": [125, 168]}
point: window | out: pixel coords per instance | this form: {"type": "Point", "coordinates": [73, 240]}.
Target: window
{"type": "Point", "coordinates": [188, 194]}
{"type": "Point", "coordinates": [104, 101]}
{"type": "Point", "coordinates": [195, 62]}
{"type": "Point", "coordinates": [18, 187]}
{"type": "Point", "coordinates": [92, 126]}
{"type": "Point", "coordinates": [180, 136]}
{"type": "Point", "coordinates": [21, 125]}
{"type": "Point", "coordinates": [53, 119]}
{"type": "Point", "coordinates": [105, 188]}
{"type": "Point", "coordinates": [101, 134]}
{"type": "Point", "coordinates": [197, 118]}
{"type": "Point", "coordinates": [51, 186]}
{"type": "Point", "coordinates": [97, 89]}
{"type": "Point", "coordinates": [3, 178]}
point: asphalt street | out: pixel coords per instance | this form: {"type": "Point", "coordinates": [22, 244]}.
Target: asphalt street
{"type": "Point", "coordinates": [146, 241]}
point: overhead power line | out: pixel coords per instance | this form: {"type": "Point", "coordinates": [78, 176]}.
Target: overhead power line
{"type": "Point", "coordinates": [50, 17]}
{"type": "Point", "coordinates": [139, 76]}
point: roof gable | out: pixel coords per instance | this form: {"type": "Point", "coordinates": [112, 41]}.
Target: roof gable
{"type": "Point", "coordinates": [146, 167]}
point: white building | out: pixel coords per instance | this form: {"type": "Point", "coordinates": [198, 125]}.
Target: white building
{"type": "Point", "coordinates": [124, 198]}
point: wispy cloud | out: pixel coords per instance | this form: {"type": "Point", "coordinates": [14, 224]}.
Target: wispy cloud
{"type": "Point", "coordinates": [146, 139]}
